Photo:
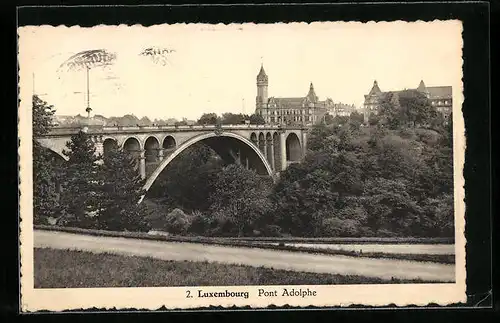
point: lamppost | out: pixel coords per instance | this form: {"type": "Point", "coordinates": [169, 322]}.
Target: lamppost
{"type": "Point", "coordinates": [88, 109]}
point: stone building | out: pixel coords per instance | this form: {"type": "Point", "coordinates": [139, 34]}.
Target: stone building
{"type": "Point", "coordinates": [439, 96]}
{"type": "Point", "coordinates": [306, 110]}
{"type": "Point", "coordinates": [340, 109]}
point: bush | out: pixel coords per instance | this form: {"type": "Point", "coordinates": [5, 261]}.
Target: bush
{"type": "Point", "coordinates": [177, 222]}
{"type": "Point", "coordinates": [200, 224]}
{"type": "Point", "coordinates": [155, 214]}
{"type": "Point", "coordinates": [271, 230]}
{"type": "Point", "coordinates": [220, 225]}
{"type": "Point", "coordinates": [407, 133]}
{"type": "Point", "coordinates": [335, 227]}
{"type": "Point", "coordinates": [427, 136]}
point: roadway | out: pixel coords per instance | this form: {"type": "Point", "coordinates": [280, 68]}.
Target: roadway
{"type": "Point", "coordinates": [296, 261]}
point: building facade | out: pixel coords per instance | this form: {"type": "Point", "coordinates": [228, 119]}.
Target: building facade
{"type": "Point", "coordinates": [340, 109]}
{"type": "Point", "coordinates": [305, 110]}
{"type": "Point", "coordinates": [439, 96]}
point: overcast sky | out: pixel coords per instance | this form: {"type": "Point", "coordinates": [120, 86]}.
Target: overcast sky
{"type": "Point", "coordinates": [213, 67]}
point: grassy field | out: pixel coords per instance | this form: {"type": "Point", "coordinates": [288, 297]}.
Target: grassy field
{"type": "Point", "coordinates": [73, 269]}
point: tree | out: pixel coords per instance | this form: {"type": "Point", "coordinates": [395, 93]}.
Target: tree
{"type": "Point", "coordinates": [356, 116]}
{"type": "Point", "coordinates": [188, 180]}
{"type": "Point", "coordinates": [208, 119]}
{"type": "Point", "coordinates": [120, 192]}
{"type": "Point", "coordinates": [373, 119]}
{"type": "Point", "coordinates": [79, 197]}
{"type": "Point", "coordinates": [257, 119]}
{"type": "Point", "coordinates": [144, 121]}
{"type": "Point", "coordinates": [448, 127]}
{"type": "Point", "coordinates": [45, 175]}
{"type": "Point", "coordinates": [389, 111]}
{"type": "Point", "coordinates": [322, 185]}
{"type": "Point", "coordinates": [240, 196]}
{"type": "Point", "coordinates": [319, 133]}
{"type": "Point", "coordinates": [43, 115]}
{"type": "Point", "coordinates": [231, 118]}
{"type": "Point", "coordinates": [183, 122]}
{"type": "Point", "coordinates": [328, 118]}
{"type": "Point", "coordinates": [392, 211]}
{"type": "Point", "coordinates": [370, 181]}
{"type": "Point", "coordinates": [416, 108]}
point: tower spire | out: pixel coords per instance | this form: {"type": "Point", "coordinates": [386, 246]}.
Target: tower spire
{"type": "Point", "coordinates": [312, 94]}
{"type": "Point", "coordinates": [375, 89]}
{"type": "Point", "coordinates": [262, 76]}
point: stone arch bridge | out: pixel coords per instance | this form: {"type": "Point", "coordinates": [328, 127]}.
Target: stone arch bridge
{"type": "Point", "coordinates": [268, 149]}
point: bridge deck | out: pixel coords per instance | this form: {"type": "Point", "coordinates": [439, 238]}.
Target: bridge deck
{"type": "Point", "coordinates": [93, 129]}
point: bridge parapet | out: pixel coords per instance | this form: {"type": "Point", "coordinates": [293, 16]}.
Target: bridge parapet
{"type": "Point", "coordinates": [101, 129]}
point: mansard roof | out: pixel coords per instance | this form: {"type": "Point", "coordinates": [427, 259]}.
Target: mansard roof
{"type": "Point", "coordinates": [440, 92]}
{"type": "Point", "coordinates": [287, 102]}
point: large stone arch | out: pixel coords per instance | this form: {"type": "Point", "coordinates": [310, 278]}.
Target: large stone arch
{"type": "Point", "coordinates": [59, 158]}
{"type": "Point", "coordinates": [55, 145]}
{"type": "Point", "coordinates": [199, 138]}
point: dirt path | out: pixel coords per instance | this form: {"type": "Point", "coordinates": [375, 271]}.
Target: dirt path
{"type": "Point", "coordinates": [334, 264]}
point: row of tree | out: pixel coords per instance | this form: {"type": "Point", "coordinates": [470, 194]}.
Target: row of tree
{"type": "Point", "coordinates": [408, 108]}
{"type": "Point", "coordinates": [229, 118]}
{"type": "Point", "coordinates": [385, 179]}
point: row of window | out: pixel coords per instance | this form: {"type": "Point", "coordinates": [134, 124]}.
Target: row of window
{"type": "Point", "coordinates": [441, 102]}
{"type": "Point", "coordinates": [294, 119]}
{"type": "Point", "coordinates": [289, 112]}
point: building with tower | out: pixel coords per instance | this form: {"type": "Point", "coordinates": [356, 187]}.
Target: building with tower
{"type": "Point", "coordinates": [306, 110]}
{"type": "Point", "coordinates": [439, 96]}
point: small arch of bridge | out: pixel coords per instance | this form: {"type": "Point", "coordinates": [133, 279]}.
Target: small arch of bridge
{"type": "Point", "coordinates": [107, 145]}
{"type": "Point", "coordinates": [151, 149]}
{"type": "Point", "coordinates": [293, 148]}
{"type": "Point", "coordinates": [169, 142]}
{"type": "Point", "coordinates": [129, 139]}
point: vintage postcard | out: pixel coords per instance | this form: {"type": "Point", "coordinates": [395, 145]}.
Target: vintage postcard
{"type": "Point", "coordinates": [196, 165]}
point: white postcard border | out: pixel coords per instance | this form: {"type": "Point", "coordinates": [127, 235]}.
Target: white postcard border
{"type": "Point", "coordinates": [175, 297]}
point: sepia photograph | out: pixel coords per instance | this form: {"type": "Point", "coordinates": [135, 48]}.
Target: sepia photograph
{"type": "Point", "coordinates": [241, 164]}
